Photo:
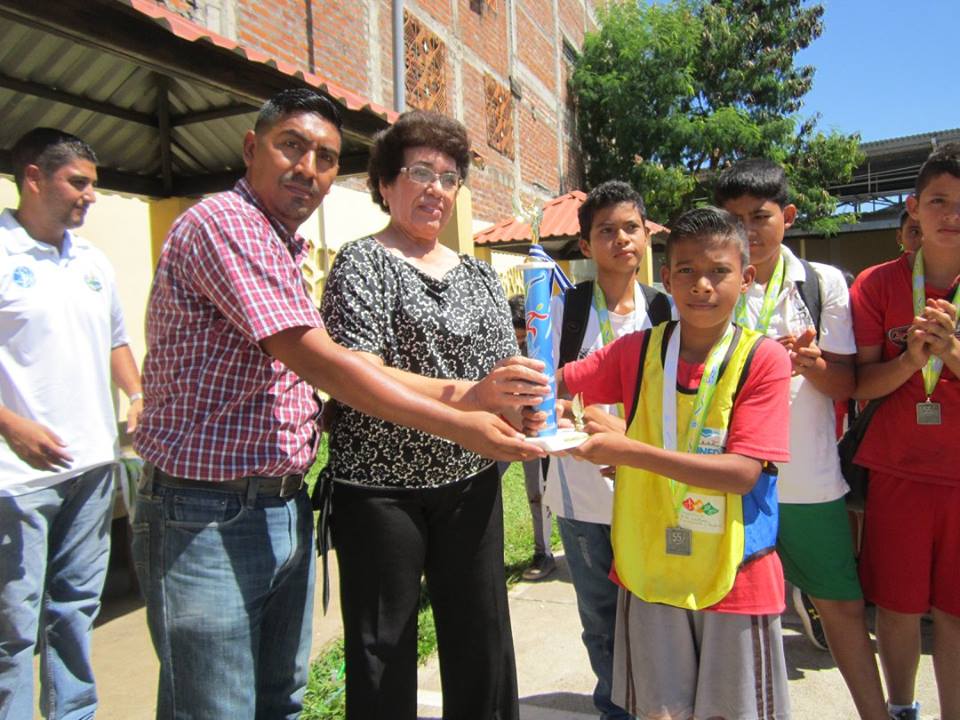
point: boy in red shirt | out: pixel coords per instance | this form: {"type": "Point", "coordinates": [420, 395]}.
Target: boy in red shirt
{"type": "Point", "coordinates": [694, 525]}
{"type": "Point", "coordinates": [904, 314]}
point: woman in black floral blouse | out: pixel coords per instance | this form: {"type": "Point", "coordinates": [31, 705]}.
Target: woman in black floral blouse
{"type": "Point", "coordinates": [406, 503]}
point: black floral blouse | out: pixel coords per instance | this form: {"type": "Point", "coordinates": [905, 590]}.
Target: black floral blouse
{"type": "Point", "coordinates": [455, 327]}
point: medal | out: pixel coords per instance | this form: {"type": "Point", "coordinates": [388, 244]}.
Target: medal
{"type": "Point", "coordinates": [679, 541]}
{"type": "Point", "coordinates": [928, 413]}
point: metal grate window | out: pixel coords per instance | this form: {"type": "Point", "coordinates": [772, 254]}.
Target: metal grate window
{"type": "Point", "coordinates": [499, 110]}
{"type": "Point", "coordinates": [426, 78]}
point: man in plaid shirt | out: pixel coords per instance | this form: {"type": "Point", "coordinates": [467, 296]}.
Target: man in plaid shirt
{"type": "Point", "coordinates": [223, 526]}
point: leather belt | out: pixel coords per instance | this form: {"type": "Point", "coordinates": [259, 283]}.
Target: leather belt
{"type": "Point", "coordinates": [283, 486]}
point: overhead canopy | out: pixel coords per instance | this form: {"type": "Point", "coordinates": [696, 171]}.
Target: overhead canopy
{"type": "Point", "coordinates": [891, 166]}
{"type": "Point", "coordinates": [559, 230]}
{"type": "Point", "coordinates": [163, 101]}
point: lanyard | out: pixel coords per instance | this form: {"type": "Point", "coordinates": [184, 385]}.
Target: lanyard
{"type": "Point", "coordinates": [931, 371]}
{"type": "Point", "coordinates": [689, 441]}
{"type": "Point", "coordinates": [603, 316]}
{"type": "Point", "coordinates": [770, 297]}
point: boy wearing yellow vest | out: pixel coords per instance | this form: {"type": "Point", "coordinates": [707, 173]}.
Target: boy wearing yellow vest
{"type": "Point", "coordinates": [806, 307]}
{"type": "Point", "coordinates": [905, 317]}
{"type": "Point", "coordinates": [694, 521]}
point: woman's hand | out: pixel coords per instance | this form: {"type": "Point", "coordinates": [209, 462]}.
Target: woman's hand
{"type": "Point", "coordinates": [488, 435]}
{"type": "Point", "coordinates": [513, 383]}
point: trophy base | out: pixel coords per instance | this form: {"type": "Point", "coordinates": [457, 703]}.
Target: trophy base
{"type": "Point", "coordinates": [563, 440]}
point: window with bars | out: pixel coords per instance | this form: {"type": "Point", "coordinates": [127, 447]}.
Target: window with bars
{"type": "Point", "coordinates": [481, 6]}
{"type": "Point", "coordinates": [499, 111]}
{"type": "Point", "coordinates": [426, 77]}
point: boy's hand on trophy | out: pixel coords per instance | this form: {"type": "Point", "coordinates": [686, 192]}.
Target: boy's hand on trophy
{"type": "Point", "coordinates": [533, 421]}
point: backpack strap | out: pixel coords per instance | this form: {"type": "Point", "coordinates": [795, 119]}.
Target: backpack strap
{"type": "Point", "coordinates": [643, 356]}
{"type": "Point", "coordinates": [576, 314]}
{"type": "Point", "coordinates": [809, 289]}
{"type": "Point", "coordinates": [658, 305]}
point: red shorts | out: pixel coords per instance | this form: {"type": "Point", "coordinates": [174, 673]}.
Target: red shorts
{"type": "Point", "coordinates": [911, 545]}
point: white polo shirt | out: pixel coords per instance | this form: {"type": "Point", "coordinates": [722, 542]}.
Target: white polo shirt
{"type": "Point", "coordinates": [813, 473]}
{"type": "Point", "coordinates": [60, 317]}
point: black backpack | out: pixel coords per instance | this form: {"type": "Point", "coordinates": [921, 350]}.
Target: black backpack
{"type": "Point", "coordinates": [576, 313]}
{"type": "Point", "coordinates": [809, 289]}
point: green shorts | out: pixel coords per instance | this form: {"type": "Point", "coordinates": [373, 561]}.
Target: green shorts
{"type": "Point", "coordinates": [815, 545]}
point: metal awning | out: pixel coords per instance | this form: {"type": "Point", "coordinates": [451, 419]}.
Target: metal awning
{"type": "Point", "coordinates": [163, 101]}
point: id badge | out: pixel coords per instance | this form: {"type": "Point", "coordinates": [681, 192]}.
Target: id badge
{"type": "Point", "coordinates": [928, 413]}
{"type": "Point", "coordinates": [679, 541]}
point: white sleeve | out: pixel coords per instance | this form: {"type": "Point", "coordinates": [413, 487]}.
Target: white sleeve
{"type": "Point", "coordinates": [836, 322]}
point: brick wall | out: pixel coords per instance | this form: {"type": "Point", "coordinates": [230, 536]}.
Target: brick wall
{"type": "Point", "coordinates": [335, 39]}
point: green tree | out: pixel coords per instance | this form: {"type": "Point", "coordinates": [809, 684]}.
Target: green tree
{"type": "Point", "coordinates": [669, 94]}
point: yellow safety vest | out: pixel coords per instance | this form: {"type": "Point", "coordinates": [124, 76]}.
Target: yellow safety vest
{"type": "Point", "coordinates": [644, 506]}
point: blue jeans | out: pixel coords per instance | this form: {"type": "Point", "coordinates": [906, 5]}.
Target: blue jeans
{"type": "Point", "coordinates": [55, 548]}
{"type": "Point", "coordinates": [590, 557]}
{"type": "Point", "coordinates": [228, 582]}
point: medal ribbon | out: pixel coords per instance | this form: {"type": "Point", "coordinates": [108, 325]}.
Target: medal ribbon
{"type": "Point", "coordinates": [770, 297]}
{"type": "Point", "coordinates": [603, 315]}
{"type": "Point", "coordinates": [931, 371]}
{"type": "Point", "coordinates": [689, 440]}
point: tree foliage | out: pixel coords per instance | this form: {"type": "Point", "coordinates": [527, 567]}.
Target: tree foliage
{"type": "Point", "coordinates": [669, 94]}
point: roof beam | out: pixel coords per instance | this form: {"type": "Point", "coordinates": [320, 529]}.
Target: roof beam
{"type": "Point", "coordinates": [26, 87]}
{"type": "Point", "coordinates": [215, 114]}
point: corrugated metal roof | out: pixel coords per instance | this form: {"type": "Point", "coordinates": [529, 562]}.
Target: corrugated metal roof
{"type": "Point", "coordinates": [164, 102]}
{"type": "Point", "coordinates": [909, 142]}
{"type": "Point", "coordinates": [559, 229]}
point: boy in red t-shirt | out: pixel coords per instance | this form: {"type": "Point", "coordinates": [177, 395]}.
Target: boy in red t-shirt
{"type": "Point", "coordinates": [719, 395]}
{"type": "Point", "coordinates": [905, 314]}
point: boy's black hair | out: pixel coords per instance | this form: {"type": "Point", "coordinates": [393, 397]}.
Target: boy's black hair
{"type": "Point", "coordinates": [757, 177]}
{"type": "Point", "coordinates": [517, 311]}
{"type": "Point", "coordinates": [903, 218]}
{"type": "Point", "coordinates": [707, 222]}
{"type": "Point", "coordinates": [49, 149]}
{"type": "Point", "coordinates": [297, 100]}
{"type": "Point", "coordinates": [945, 160]}
{"type": "Point", "coordinates": [612, 192]}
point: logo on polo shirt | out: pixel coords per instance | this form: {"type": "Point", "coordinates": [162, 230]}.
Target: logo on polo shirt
{"type": "Point", "coordinates": [93, 282]}
{"type": "Point", "coordinates": [24, 277]}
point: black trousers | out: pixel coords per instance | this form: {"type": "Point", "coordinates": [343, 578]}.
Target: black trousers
{"type": "Point", "coordinates": [385, 539]}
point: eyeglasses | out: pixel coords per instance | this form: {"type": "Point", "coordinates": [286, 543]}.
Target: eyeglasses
{"type": "Point", "coordinates": [425, 176]}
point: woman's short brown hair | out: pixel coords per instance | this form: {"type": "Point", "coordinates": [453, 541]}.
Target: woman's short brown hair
{"type": "Point", "coordinates": [417, 128]}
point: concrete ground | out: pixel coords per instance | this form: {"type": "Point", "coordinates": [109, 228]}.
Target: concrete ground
{"type": "Point", "coordinates": [554, 675]}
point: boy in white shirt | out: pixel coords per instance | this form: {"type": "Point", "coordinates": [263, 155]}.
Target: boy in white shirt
{"type": "Point", "coordinates": [814, 539]}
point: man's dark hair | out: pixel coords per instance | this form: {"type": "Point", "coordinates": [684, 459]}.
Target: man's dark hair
{"type": "Point", "coordinates": [612, 192]}
{"type": "Point", "coordinates": [417, 128]}
{"type": "Point", "coordinates": [518, 311]}
{"type": "Point", "coordinates": [49, 149]}
{"type": "Point", "coordinates": [945, 160]}
{"type": "Point", "coordinates": [297, 100]}
{"type": "Point", "coordinates": [757, 177]}
{"type": "Point", "coordinates": [708, 222]}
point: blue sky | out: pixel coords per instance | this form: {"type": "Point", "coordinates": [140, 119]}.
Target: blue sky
{"type": "Point", "coordinates": [886, 68]}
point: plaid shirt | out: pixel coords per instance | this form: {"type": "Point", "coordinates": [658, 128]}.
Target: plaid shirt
{"type": "Point", "coordinates": [218, 407]}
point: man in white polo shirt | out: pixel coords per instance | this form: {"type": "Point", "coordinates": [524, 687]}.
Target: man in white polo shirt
{"type": "Point", "coordinates": [61, 339]}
